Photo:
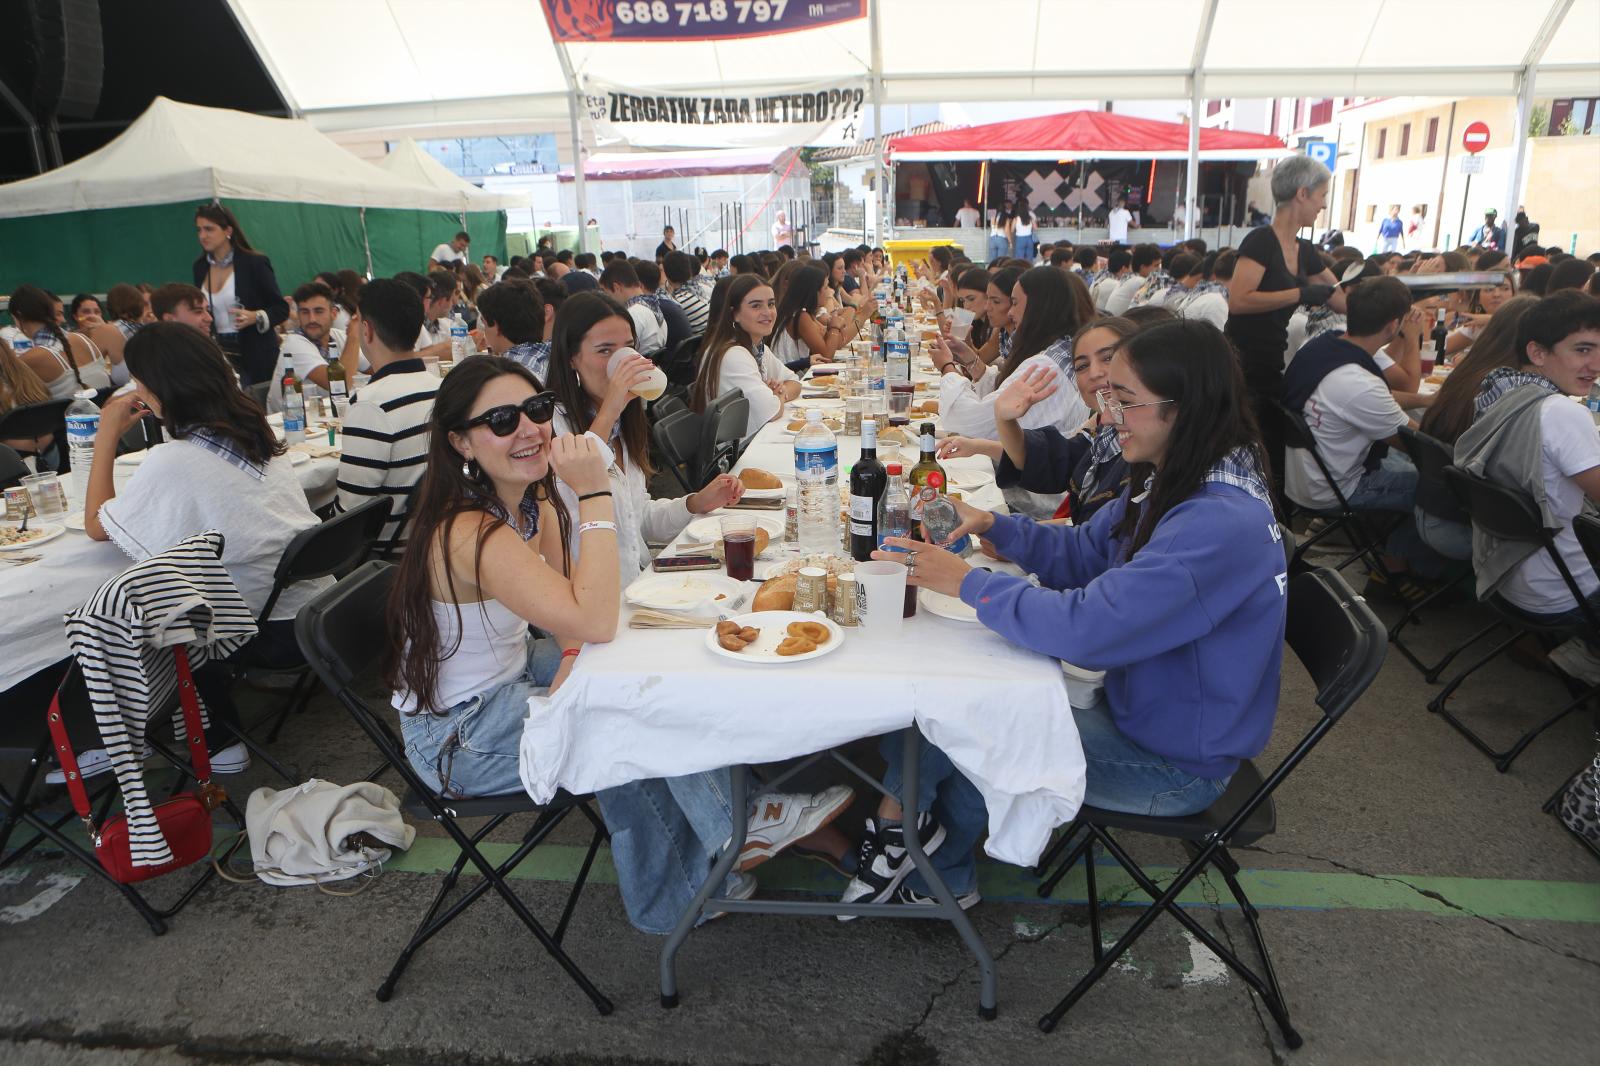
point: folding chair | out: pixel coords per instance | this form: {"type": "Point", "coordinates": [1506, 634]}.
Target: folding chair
{"type": "Point", "coordinates": [1342, 645]}
{"type": "Point", "coordinates": [38, 420]}
{"type": "Point", "coordinates": [676, 437]}
{"type": "Point", "coordinates": [145, 433]}
{"type": "Point", "coordinates": [682, 363]}
{"type": "Point", "coordinates": [1297, 434]}
{"type": "Point", "coordinates": [1511, 515]}
{"type": "Point", "coordinates": [12, 468]}
{"type": "Point", "coordinates": [1431, 456]}
{"type": "Point", "coordinates": [342, 634]}
{"type": "Point", "coordinates": [329, 549]}
{"type": "Point", "coordinates": [722, 436]}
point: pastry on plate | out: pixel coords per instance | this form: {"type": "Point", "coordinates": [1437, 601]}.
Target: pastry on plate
{"type": "Point", "coordinates": [753, 477]}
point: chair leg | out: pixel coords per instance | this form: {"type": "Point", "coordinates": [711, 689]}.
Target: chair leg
{"type": "Point", "coordinates": [299, 696]}
{"type": "Point", "coordinates": [1502, 759]}
{"type": "Point", "coordinates": [1437, 703]}
{"type": "Point", "coordinates": [1432, 673]}
{"type": "Point", "coordinates": [1414, 615]}
{"type": "Point", "coordinates": [1093, 893]}
{"type": "Point", "coordinates": [1048, 886]}
{"type": "Point", "coordinates": [1224, 862]}
{"type": "Point", "coordinates": [578, 883]}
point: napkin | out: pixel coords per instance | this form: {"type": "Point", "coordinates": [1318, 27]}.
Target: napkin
{"type": "Point", "coordinates": [649, 618]}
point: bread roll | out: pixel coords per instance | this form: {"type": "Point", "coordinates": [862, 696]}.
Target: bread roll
{"type": "Point", "coordinates": [756, 478]}
{"type": "Point", "coordinates": [776, 594]}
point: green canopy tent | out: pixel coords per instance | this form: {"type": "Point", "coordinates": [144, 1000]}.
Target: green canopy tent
{"type": "Point", "coordinates": [126, 212]}
{"type": "Point", "coordinates": [485, 221]}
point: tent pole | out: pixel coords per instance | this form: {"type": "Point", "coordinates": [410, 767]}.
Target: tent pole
{"type": "Point", "coordinates": [578, 189]}
{"type": "Point", "coordinates": [1192, 170]}
{"type": "Point", "coordinates": [1519, 148]}
{"type": "Point", "coordinates": [366, 242]}
{"type": "Point", "coordinates": [881, 186]}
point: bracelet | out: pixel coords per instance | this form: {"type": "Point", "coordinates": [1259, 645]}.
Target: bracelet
{"type": "Point", "coordinates": [594, 495]}
{"type": "Point", "coordinates": [587, 526]}
{"type": "Point", "coordinates": [570, 652]}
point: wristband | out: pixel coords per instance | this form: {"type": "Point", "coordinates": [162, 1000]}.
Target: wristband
{"type": "Point", "coordinates": [570, 653]}
{"type": "Point", "coordinates": [587, 526]}
{"type": "Point", "coordinates": [594, 495]}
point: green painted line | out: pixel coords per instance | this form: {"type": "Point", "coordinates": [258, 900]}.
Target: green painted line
{"type": "Point", "coordinates": [1458, 897]}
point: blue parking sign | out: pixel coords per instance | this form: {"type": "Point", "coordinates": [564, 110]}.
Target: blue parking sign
{"type": "Point", "coordinates": [1324, 152]}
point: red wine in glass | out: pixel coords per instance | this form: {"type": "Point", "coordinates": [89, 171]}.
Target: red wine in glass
{"type": "Point", "coordinates": [739, 552]}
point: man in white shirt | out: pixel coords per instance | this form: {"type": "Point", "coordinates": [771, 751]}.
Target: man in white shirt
{"type": "Point", "coordinates": [649, 325]}
{"type": "Point", "coordinates": [1118, 263]}
{"type": "Point", "coordinates": [1145, 258]}
{"type": "Point", "coordinates": [1118, 221]}
{"type": "Point", "coordinates": [433, 341]}
{"type": "Point", "coordinates": [448, 255]}
{"type": "Point", "coordinates": [313, 345]}
{"type": "Point", "coordinates": [967, 217]}
{"type": "Point", "coordinates": [178, 302]}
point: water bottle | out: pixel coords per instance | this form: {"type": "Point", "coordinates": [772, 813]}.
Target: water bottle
{"type": "Point", "coordinates": [897, 355]}
{"type": "Point", "coordinates": [894, 509]}
{"type": "Point", "coordinates": [877, 381]}
{"type": "Point", "coordinates": [460, 344]}
{"type": "Point", "coordinates": [1593, 403]}
{"type": "Point", "coordinates": [83, 422]}
{"type": "Point", "coordinates": [294, 411]}
{"type": "Point", "coordinates": [816, 467]}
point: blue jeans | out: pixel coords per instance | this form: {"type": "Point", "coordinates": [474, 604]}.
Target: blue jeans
{"type": "Point", "coordinates": [1026, 246]}
{"type": "Point", "coordinates": [998, 247]}
{"type": "Point", "coordinates": [1123, 776]}
{"type": "Point", "coordinates": [1453, 540]}
{"type": "Point", "coordinates": [1393, 487]}
{"type": "Point", "coordinates": [953, 800]}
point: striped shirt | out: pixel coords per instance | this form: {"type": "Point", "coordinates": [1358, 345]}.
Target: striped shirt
{"type": "Point", "coordinates": [694, 306]}
{"type": "Point", "coordinates": [386, 439]}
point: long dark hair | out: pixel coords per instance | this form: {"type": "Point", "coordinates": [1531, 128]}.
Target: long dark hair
{"type": "Point", "coordinates": [976, 279]}
{"type": "Point", "coordinates": [1051, 315]}
{"type": "Point", "coordinates": [723, 333]}
{"type": "Point", "coordinates": [1495, 347]}
{"type": "Point", "coordinates": [799, 297]}
{"type": "Point", "coordinates": [192, 381]}
{"type": "Point", "coordinates": [413, 653]}
{"type": "Point", "coordinates": [29, 303]}
{"type": "Point", "coordinates": [1191, 362]}
{"type": "Point", "coordinates": [215, 212]}
{"type": "Point", "coordinates": [578, 315]}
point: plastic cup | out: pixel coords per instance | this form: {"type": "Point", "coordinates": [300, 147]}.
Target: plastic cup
{"type": "Point", "coordinates": [46, 494]}
{"type": "Point", "coordinates": [649, 389]}
{"type": "Point", "coordinates": [739, 545]}
{"type": "Point", "coordinates": [880, 598]}
{"type": "Point", "coordinates": [961, 323]}
{"type": "Point", "coordinates": [900, 395]}
{"type": "Point", "coordinates": [430, 363]}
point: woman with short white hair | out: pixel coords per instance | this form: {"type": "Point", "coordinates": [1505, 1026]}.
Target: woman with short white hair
{"type": "Point", "coordinates": [1275, 272]}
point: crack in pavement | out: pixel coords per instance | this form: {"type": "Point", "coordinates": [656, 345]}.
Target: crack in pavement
{"type": "Point", "coordinates": [1214, 898]}
{"type": "Point", "coordinates": [1427, 893]}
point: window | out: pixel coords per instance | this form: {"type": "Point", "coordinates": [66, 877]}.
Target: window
{"type": "Point", "coordinates": [1383, 143]}
{"type": "Point", "coordinates": [1322, 111]}
{"type": "Point", "coordinates": [1212, 107]}
{"type": "Point", "coordinates": [1405, 138]}
{"type": "Point", "coordinates": [1432, 142]}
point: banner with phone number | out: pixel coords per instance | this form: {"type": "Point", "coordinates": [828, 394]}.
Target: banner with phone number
{"type": "Point", "coordinates": [691, 20]}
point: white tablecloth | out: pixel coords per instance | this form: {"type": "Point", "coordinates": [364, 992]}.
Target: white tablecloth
{"type": "Point", "coordinates": [36, 597]}
{"type": "Point", "coordinates": [659, 703]}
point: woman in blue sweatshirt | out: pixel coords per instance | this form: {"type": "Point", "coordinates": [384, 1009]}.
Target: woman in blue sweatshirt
{"type": "Point", "coordinates": [1176, 590]}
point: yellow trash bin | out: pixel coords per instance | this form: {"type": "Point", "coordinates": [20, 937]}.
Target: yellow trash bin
{"type": "Point", "coordinates": [910, 251]}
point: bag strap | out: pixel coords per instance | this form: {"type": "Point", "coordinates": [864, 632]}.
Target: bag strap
{"type": "Point", "coordinates": [68, 759]}
{"type": "Point", "coordinates": [199, 758]}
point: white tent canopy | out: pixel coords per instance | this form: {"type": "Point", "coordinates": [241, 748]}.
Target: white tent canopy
{"type": "Point", "coordinates": [411, 164]}
{"type": "Point", "coordinates": [176, 152]}
{"type": "Point", "coordinates": [375, 63]}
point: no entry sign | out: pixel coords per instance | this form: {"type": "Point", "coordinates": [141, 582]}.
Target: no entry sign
{"type": "Point", "coordinates": [1475, 138]}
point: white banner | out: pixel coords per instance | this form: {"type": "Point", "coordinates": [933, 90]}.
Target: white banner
{"type": "Point", "coordinates": [825, 113]}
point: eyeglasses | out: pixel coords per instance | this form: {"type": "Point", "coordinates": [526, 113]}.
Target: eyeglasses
{"type": "Point", "coordinates": [1113, 410]}
{"type": "Point", "coordinates": [503, 420]}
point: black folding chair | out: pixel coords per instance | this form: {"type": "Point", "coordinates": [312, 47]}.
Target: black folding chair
{"type": "Point", "coordinates": [1431, 456]}
{"type": "Point", "coordinates": [342, 635]}
{"type": "Point", "coordinates": [682, 363]}
{"type": "Point", "coordinates": [143, 434]}
{"type": "Point", "coordinates": [722, 436]}
{"type": "Point", "coordinates": [676, 437]}
{"type": "Point", "coordinates": [33, 420]}
{"type": "Point", "coordinates": [1297, 434]}
{"type": "Point", "coordinates": [12, 468]}
{"type": "Point", "coordinates": [1342, 645]}
{"type": "Point", "coordinates": [1511, 515]}
{"type": "Point", "coordinates": [330, 549]}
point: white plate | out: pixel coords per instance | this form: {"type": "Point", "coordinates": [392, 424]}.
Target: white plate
{"type": "Point", "coordinates": [944, 606]}
{"type": "Point", "coordinates": [49, 532]}
{"type": "Point", "coordinates": [828, 368]}
{"type": "Point", "coordinates": [74, 521]}
{"type": "Point", "coordinates": [298, 458]}
{"type": "Point", "coordinates": [774, 626]}
{"type": "Point", "coordinates": [763, 494]}
{"type": "Point", "coordinates": [683, 592]}
{"type": "Point", "coordinates": [709, 528]}
{"type": "Point", "coordinates": [821, 403]}
{"type": "Point", "coordinates": [967, 480]}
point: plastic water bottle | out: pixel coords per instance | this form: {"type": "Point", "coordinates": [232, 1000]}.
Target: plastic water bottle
{"type": "Point", "coordinates": [877, 381]}
{"type": "Point", "coordinates": [897, 355]}
{"type": "Point", "coordinates": [816, 468]}
{"type": "Point", "coordinates": [83, 422]}
{"type": "Point", "coordinates": [460, 343]}
{"type": "Point", "coordinates": [894, 509]}
{"type": "Point", "coordinates": [294, 411]}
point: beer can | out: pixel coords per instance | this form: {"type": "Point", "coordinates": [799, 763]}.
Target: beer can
{"type": "Point", "coordinates": [843, 608]}
{"type": "Point", "coordinates": [811, 590]}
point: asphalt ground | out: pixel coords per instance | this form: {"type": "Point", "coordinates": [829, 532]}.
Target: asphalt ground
{"type": "Point", "coordinates": [1419, 905]}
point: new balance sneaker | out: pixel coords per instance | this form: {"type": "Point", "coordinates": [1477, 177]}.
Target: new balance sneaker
{"type": "Point", "coordinates": [233, 759]}
{"type": "Point", "coordinates": [781, 818]}
{"type": "Point", "coordinates": [743, 887]}
{"type": "Point", "coordinates": [1574, 658]}
{"type": "Point", "coordinates": [911, 897]}
{"type": "Point", "coordinates": [884, 861]}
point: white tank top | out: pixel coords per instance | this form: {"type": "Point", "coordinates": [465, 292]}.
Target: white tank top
{"type": "Point", "coordinates": [1024, 229]}
{"type": "Point", "coordinates": [492, 650]}
{"type": "Point", "coordinates": [222, 305]}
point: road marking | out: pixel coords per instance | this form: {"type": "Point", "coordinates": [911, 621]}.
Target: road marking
{"type": "Point", "coordinates": [53, 887]}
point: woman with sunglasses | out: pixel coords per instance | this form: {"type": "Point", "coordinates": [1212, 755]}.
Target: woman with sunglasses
{"type": "Point", "coordinates": [589, 329]}
{"type": "Point", "coordinates": [1176, 590]}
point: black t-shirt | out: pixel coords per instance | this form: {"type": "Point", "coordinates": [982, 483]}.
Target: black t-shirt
{"type": "Point", "coordinates": [663, 249]}
{"type": "Point", "coordinates": [1264, 334]}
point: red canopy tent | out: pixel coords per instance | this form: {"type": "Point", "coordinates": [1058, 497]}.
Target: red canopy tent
{"type": "Point", "coordinates": [1081, 135]}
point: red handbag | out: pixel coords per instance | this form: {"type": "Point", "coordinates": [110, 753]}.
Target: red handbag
{"type": "Point", "coordinates": [185, 819]}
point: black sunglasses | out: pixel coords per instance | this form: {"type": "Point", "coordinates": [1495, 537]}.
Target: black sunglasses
{"type": "Point", "coordinates": [503, 420]}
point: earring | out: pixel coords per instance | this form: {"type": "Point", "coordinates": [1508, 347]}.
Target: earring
{"type": "Point", "coordinates": [466, 469]}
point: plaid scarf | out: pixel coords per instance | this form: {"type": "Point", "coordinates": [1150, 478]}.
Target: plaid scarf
{"type": "Point", "coordinates": [1204, 288]}
{"type": "Point", "coordinates": [1157, 281]}
{"type": "Point", "coordinates": [1005, 344]}
{"type": "Point", "coordinates": [535, 355]}
{"type": "Point", "coordinates": [652, 301]}
{"type": "Point", "coordinates": [1238, 468]}
{"type": "Point", "coordinates": [527, 510]}
{"type": "Point", "coordinates": [1061, 354]}
{"type": "Point", "coordinates": [1324, 319]}
{"type": "Point", "coordinates": [1503, 380]}
{"type": "Point", "coordinates": [1104, 448]}
{"type": "Point", "coordinates": [224, 450]}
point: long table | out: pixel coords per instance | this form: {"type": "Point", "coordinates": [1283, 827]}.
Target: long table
{"type": "Point", "coordinates": [659, 703]}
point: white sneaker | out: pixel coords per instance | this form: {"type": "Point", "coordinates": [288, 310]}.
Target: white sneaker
{"type": "Point", "coordinates": [91, 763]}
{"type": "Point", "coordinates": [233, 759]}
{"type": "Point", "coordinates": [781, 818]}
{"type": "Point", "coordinates": [744, 887]}
{"type": "Point", "coordinates": [1576, 660]}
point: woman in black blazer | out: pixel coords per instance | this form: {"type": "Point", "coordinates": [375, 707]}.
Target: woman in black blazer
{"type": "Point", "coordinates": [242, 292]}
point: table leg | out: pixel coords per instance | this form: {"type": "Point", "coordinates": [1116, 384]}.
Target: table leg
{"type": "Point", "coordinates": [740, 776]}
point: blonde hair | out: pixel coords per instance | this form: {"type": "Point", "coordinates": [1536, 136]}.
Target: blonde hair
{"type": "Point", "coordinates": [19, 385]}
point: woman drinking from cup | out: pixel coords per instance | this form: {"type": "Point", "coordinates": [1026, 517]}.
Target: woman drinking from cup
{"type": "Point", "coordinates": [598, 380]}
{"type": "Point", "coordinates": [735, 357]}
{"type": "Point", "coordinates": [1176, 590]}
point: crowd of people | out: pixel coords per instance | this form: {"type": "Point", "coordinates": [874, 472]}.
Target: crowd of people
{"type": "Point", "coordinates": [1131, 397]}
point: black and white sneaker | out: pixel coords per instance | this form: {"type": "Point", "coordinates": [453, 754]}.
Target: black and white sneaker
{"type": "Point", "coordinates": [884, 862]}
{"type": "Point", "coordinates": [912, 898]}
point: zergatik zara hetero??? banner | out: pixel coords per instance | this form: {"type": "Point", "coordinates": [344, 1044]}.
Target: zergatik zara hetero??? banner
{"type": "Point", "coordinates": [827, 113]}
